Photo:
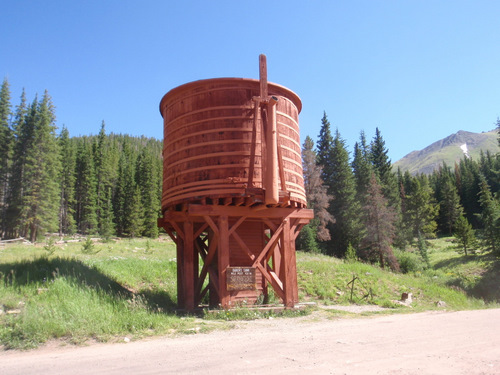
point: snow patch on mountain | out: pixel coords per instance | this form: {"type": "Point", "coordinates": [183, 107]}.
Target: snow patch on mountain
{"type": "Point", "coordinates": [465, 150]}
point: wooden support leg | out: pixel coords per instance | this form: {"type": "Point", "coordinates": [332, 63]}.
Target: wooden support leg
{"type": "Point", "coordinates": [223, 261]}
{"type": "Point", "coordinates": [189, 273]}
{"type": "Point", "coordinates": [181, 303]}
{"type": "Point", "coordinates": [288, 265]}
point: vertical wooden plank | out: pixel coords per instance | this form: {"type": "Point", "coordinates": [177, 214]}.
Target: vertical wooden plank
{"type": "Point", "coordinates": [223, 261]}
{"type": "Point", "coordinates": [271, 177]}
{"type": "Point", "coordinates": [277, 259]}
{"type": "Point", "coordinates": [213, 295]}
{"type": "Point", "coordinates": [288, 264]}
{"type": "Point", "coordinates": [188, 266]}
{"type": "Point", "coordinates": [180, 273]}
{"type": "Point", "coordinates": [263, 76]}
{"type": "Point", "coordinates": [293, 264]}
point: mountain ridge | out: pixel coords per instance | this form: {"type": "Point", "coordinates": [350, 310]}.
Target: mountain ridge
{"type": "Point", "coordinates": [449, 150]}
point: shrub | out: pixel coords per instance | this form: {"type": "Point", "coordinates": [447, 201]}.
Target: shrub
{"type": "Point", "coordinates": [306, 241]}
{"type": "Point", "coordinates": [409, 262]}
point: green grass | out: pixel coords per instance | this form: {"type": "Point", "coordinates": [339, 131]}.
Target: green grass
{"type": "Point", "coordinates": [127, 288]}
{"type": "Point", "coordinates": [328, 280]}
{"type": "Point", "coordinates": [119, 291]}
{"type": "Point", "coordinates": [478, 275]}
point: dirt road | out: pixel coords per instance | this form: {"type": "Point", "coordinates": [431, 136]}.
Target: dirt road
{"type": "Point", "coordinates": [466, 342]}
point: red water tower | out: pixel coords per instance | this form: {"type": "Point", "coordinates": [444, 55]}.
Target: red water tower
{"type": "Point", "coordinates": [233, 189]}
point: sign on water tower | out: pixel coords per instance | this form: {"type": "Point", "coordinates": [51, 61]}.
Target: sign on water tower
{"type": "Point", "coordinates": [241, 278]}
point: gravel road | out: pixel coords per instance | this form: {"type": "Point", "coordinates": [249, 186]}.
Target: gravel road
{"type": "Point", "coordinates": [465, 342]}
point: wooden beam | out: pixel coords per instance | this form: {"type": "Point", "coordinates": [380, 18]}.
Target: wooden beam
{"type": "Point", "coordinates": [253, 147]}
{"type": "Point", "coordinates": [189, 265]}
{"type": "Point", "coordinates": [212, 250]}
{"type": "Point", "coordinates": [201, 230]}
{"type": "Point", "coordinates": [223, 261]}
{"type": "Point", "coordinates": [272, 280]}
{"type": "Point", "coordinates": [276, 213]}
{"type": "Point", "coordinates": [171, 234]}
{"type": "Point", "coordinates": [288, 265]}
{"type": "Point", "coordinates": [236, 225]}
{"type": "Point", "coordinates": [263, 76]}
{"type": "Point", "coordinates": [269, 245]}
{"type": "Point", "coordinates": [281, 168]}
{"type": "Point", "coordinates": [210, 222]}
{"type": "Point", "coordinates": [177, 229]}
{"type": "Point", "coordinates": [243, 246]}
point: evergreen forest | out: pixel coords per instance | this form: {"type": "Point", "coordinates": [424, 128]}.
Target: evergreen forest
{"type": "Point", "coordinates": [50, 182]}
{"type": "Point", "coordinates": [364, 209]}
{"type": "Point", "coordinates": [110, 185]}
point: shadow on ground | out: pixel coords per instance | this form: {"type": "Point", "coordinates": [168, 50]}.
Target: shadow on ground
{"type": "Point", "coordinates": [487, 287]}
{"type": "Point", "coordinates": [44, 270]}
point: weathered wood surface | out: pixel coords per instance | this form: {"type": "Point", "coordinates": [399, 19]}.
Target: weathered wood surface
{"type": "Point", "coordinates": [215, 143]}
{"type": "Point", "coordinates": [228, 236]}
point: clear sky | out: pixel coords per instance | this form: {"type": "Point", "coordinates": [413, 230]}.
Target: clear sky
{"type": "Point", "coordinates": [418, 70]}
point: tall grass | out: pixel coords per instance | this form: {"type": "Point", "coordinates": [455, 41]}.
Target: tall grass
{"type": "Point", "coordinates": [72, 295]}
{"type": "Point", "coordinates": [330, 281]}
{"type": "Point", "coordinates": [127, 288]}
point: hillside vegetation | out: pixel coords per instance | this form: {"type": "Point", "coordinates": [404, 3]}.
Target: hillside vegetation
{"type": "Point", "coordinates": [449, 150]}
{"type": "Point", "coordinates": [126, 289]}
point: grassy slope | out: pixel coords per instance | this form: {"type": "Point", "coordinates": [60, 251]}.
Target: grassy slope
{"type": "Point", "coordinates": [450, 154]}
{"type": "Point", "coordinates": [128, 289]}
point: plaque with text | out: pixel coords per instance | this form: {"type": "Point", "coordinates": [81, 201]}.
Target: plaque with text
{"type": "Point", "coordinates": [240, 278]}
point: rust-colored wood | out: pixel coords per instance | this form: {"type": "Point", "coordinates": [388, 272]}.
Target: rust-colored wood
{"type": "Point", "coordinates": [233, 188]}
{"type": "Point", "coordinates": [271, 186]}
{"type": "Point", "coordinates": [189, 265]}
{"type": "Point", "coordinates": [213, 142]}
{"type": "Point", "coordinates": [263, 76]}
{"type": "Point", "coordinates": [223, 261]}
{"type": "Point", "coordinates": [232, 236]}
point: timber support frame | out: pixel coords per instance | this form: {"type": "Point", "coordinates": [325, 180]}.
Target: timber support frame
{"type": "Point", "coordinates": [212, 238]}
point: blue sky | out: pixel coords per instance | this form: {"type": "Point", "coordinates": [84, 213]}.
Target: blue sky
{"type": "Point", "coordinates": [418, 70]}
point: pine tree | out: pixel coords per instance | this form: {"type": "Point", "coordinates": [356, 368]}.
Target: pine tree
{"type": "Point", "coordinates": [6, 140]}
{"type": "Point", "coordinates": [488, 167]}
{"type": "Point", "coordinates": [324, 146]}
{"type": "Point", "coordinates": [344, 208]}
{"type": "Point", "coordinates": [23, 133]}
{"type": "Point", "coordinates": [379, 156]}
{"type": "Point", "coordinates": [135, 223]}
{"type": "Point", "coordinates": [379, 221]}
{"type": "Point", "coordinates": [104, 182]}
{"type": "Point", "coordinates": [468, 182]}
{"type": "Point", "coordinates": [85, 189]}
{"type": "Point", "coordinates": [464, 235]}
{"type": "Point", "coordinates": [67, 184]}
{"type": "Point", "coordinates": [40, 199]}
{"type": "Point", "coordinates": [383, 170]}
{"type": "Point", "coordinates": [362, 168]}
{"type": "Point", "coordinates": [450, 208]}
{"type": "Point", "coordinates": [107, 225]}
{"type": "Point", "coordinates": [490, 217]}
{"type": "Point", "coordinates": [306, 241]}
{"type": "Point", "coordinates": [420, 209]}
{"type": "Point", "coordinates": [147, 182]}
{"type": "Point", "coordinates": [123, 200]}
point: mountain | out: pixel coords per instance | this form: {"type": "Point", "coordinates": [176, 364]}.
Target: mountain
{"type": "Point", "coordinates": [449, 150]}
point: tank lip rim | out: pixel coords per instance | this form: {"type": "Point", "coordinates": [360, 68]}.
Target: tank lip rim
{"type": "Point", "coordinates": [294, 97]}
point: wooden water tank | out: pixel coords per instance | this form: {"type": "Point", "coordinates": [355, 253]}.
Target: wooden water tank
{"type": "Point", "coordinates": [215, 147]}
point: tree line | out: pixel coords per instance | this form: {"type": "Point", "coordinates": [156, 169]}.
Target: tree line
{"type": "Point", "coordinates": [364, 208]}
{"type": "Point", "coordinates": [108, 184]}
